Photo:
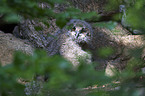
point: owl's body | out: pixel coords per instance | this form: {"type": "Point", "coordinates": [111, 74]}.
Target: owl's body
{"type": "Point", "coordinates": [74, 38]}
{"type": "Point", "coordinates": [73, 52]}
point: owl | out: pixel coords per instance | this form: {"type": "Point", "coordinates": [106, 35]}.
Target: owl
{"type": "Point", "coordinates": [81, 32]}
{"type": "Point", "coordinates": [75, 40]}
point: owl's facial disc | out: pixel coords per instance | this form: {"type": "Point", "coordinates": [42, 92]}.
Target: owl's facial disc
{"type": "Point", "coordinates": [80, 34]}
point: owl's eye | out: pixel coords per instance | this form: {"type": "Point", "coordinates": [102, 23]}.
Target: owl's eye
{"type": "Point", "coordinates": [84, 30]}
{"type": "Point", "coordinates": [88, 34]}
{"type": "Point", "coordinates": [73, 29]}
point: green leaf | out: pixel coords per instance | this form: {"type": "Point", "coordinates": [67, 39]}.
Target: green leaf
{"type": "Point", "coordinates": [98, 93]}
{"type": "Point", "coordinates": [61, 22]}
{"type": "Point", "coordinates": [12, 18]}
{"type": "Point", "coordinates": [105, 51]}
{"type": "Point", "coordinates": [72, 10]}
{"type": "Point", "coordinates": [109, 25]}
{"type": "Point", "coordinates": [38, 28]}
{"type": "Point", "coordinates": [55, 1]}
{"type": "Point", "coordinates": [89, 15]}
{"type": "Point", "coordinates": [46, 23]}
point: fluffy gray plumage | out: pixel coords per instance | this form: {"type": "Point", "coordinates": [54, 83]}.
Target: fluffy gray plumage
{"type": "Point", "coordinates": [79, 34]}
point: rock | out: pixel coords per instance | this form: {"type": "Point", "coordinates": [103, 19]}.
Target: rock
{"type": "Point", "coordinates": [110, 70]}
{"type": "Point", "coordinates": [39, 35]}
{"type": "Point", "coordinates": [9, 44]}
{"type": "Point", "coordinates": [120, 40]}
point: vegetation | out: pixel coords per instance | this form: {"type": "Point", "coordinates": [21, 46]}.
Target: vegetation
{"type": "Point", "coordinates": [62, 79]}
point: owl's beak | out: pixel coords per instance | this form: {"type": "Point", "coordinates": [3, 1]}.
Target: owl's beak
{"type": "Point", "coordinates": [77, 34]}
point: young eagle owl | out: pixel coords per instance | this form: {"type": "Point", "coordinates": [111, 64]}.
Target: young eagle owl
{"type": "Point", "coordinates": [78, 35]}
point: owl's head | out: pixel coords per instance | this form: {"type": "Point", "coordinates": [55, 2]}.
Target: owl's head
{"type": "Point", "coordinates": [79, 31]}
{"type": "Point", "coordinates": [80, 34]}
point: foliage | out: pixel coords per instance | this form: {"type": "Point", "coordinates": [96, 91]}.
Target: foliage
{"type": "Point", "coordinates": [134, 13]}
{"type": "Point", "coordinates": [105, 52]}
{"type": "Point", "coordinates": [63, 80]}
{"type": "Point", "coordinates": [109, 25]}
{"type": "Point", "coordinates": [15, 10]}
{"type": "Point", "coordinates": [61, 75]}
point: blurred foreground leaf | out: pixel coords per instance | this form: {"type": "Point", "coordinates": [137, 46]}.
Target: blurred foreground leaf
{"type": "Point", "coordinates": [109, 25]}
